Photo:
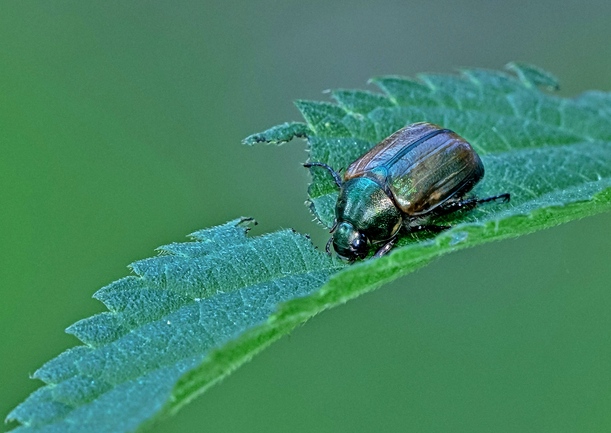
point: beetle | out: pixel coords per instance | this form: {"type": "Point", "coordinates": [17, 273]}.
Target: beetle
{"type": "Point", "coordinates": [418, 172]}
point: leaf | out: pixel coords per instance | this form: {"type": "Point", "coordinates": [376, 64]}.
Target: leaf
{"type": "Point", "coordinates": [199, 310]}
{"type": "Point", "coordinates": [280, 134]}
{"type": "Point", "coordinates": [167, 321]}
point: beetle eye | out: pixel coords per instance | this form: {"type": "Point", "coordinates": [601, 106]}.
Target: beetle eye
{"type": "Point", "coordinates": [349, 243]}
{"type": "Point", "coordinates": [359, 245]}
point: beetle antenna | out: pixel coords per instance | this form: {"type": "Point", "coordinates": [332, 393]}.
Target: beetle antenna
{"type": "Point", "coordinates": [336, 177]}
{"type": "Point", "coordinates": [334, 227]}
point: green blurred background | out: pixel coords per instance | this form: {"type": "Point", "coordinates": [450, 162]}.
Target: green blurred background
{"type": "Point", "coordinates": [120, 129]}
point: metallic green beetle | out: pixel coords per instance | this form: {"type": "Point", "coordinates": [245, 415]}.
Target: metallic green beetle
{"type": "Point", "coordinates": [420, 171]}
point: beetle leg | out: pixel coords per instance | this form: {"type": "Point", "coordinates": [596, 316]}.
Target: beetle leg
{"type": "Point", "coordinates": [470, 203]}
{"type": "Point", "coordinates": [328, 247]}
{"type": "Point", "coordinates": [385, 248]}
{"type": "Point", "coordinates": [336, 177]}
{"type": "Point", "coordinates": [503, 198]}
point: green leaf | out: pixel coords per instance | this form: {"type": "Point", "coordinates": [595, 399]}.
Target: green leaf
{"type": "Point", "coordinates": [168, 320]}
{"type": "Point", "coordinates": [200, 309]}
{"type": "Point", "coordinates": [278, 134]}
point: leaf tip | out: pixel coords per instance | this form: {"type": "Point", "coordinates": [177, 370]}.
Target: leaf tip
{"type": "Point", "coordinates": [278, 134]}
{"type": "Point", "coordinates": [533, 76]}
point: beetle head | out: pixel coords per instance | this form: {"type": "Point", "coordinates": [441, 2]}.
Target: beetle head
{"type": "Point", "coordinates": [349, 243]}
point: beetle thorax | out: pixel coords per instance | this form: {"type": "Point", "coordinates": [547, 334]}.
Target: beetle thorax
{"type": "Point", "coordinates": [363, 203]}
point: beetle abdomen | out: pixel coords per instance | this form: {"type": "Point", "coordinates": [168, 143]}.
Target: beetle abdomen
{"type": "Point", "coordinates": [425, 166]}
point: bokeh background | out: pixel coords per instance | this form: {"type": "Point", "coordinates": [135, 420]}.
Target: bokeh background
{"type": "Point", "coordinates": [120, 129]}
